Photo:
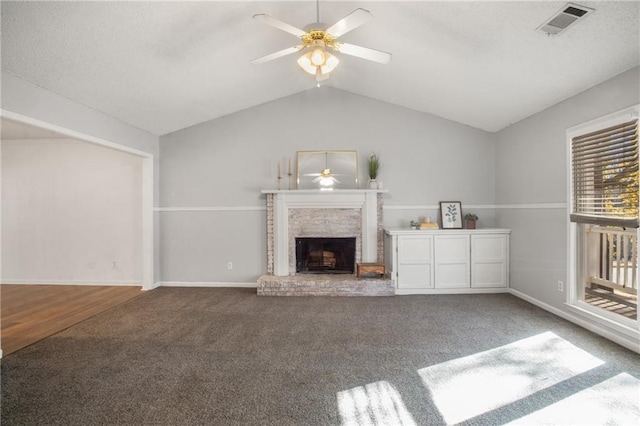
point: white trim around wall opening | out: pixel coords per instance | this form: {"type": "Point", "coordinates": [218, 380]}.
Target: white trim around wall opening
{"type": "Point", "coordinates": [147, 184]}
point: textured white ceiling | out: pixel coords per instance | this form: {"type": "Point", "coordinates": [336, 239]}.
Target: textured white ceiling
{"type": "Point", "coordinates": [163, 66]}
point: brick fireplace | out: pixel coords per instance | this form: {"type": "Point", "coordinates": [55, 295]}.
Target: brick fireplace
{"type": "Point", "coordinates": [299, 214]}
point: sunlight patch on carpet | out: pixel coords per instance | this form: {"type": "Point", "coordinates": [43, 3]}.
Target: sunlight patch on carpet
{"type": "Point", "coordinates": [468, 387]}
{"type": "Point", "coordinates": [613, 402]}
{"type": "Point", "coordinates": [376, 403]}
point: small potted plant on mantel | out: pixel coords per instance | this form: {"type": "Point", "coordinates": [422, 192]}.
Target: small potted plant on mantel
{"type": "Point", "coordinates": [374, 168]}
{"type": "Point", "coordinates": [470, 220]}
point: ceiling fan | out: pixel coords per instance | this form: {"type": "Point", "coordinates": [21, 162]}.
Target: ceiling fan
{"type": "Point", "coordinates": [316, 38]}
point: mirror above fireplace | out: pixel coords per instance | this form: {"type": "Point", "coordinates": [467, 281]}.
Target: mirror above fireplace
{"type": "Point", "coordinates": [327, 169]}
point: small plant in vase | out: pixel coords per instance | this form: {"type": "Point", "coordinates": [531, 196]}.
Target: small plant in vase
{"type": "Point", "coordinates": [374, 168]}
{"type": "Point", "coordinates": [470, 220]}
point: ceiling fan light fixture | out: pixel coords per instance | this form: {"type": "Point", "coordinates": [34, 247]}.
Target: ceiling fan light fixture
{"type": "Point", "coordinates": [304, 62]}
{"type": "Point", "coordinates": [317, 58]}
{"type": "Point", "coordinates": [318, 61]}
{"type": "Point", "coordinates": [317, 39]}
{"type": "Point", "coordinates": [329, 64]}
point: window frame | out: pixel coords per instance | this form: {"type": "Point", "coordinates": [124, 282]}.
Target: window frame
{"type": "Point", "coordinates": [573, 303]}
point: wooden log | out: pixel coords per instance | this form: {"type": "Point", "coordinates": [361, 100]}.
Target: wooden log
{"type": "Point", "coordinates": [369, 270]}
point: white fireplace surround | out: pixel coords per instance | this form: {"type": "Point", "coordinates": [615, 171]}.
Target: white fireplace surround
{"type": "Point", "coordinates": [284, 200]}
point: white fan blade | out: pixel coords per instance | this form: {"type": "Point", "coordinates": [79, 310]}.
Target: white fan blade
{"type": "Point", "coordinates": [270, 20]}
{"type": "Point", "coordinates": [364, 52]}
{"type": "Point", "coordinates": [279, 54]}
{"type": "Point", "coordinates": [350, 22]}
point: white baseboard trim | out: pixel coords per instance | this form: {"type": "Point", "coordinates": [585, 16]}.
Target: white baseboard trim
{"type": "Point", "coordinates": [69, 282]}
{"type": "Point", "coordinates": [153, 286]}
{"type": "Point", "coordinates": [434, 291]}
{"type": "Point", "coordinates": [628, 343]}
{"type": "Point", "coordinates": [207, 284]}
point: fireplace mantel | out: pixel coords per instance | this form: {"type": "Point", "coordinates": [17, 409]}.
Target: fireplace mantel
{"type": "Point", "coordinates": [320, 191]}
{"type": "Point", "coordinates": [281, 202]}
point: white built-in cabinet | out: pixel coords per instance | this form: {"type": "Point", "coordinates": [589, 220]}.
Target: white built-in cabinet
{"type": "Point", "coordinates": [448, 261]}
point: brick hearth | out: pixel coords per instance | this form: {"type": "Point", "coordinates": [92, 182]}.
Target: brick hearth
{"type": "Point", "coordinates": [323, 285]}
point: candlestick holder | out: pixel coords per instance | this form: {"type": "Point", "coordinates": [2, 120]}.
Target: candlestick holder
{"type": "Point", "coordinates": [290, 176]}
{"type": "Point", "coordinates": [279, 182]}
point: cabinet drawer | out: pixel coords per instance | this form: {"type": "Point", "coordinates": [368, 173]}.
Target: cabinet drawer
{"type": "Point", "coordinates": [489, 274]}
{"type": "Point", "coordinates": [415, 249]}
{"type": "Point", "coordinates": [415, 276]}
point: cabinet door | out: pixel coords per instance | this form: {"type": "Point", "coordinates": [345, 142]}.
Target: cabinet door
{"type": "Point", "coordinates": [415, 261]}
{"type": "Point", "coordinates": [489, 261]}
{"type": "Point", "coordinates": [452, 261]}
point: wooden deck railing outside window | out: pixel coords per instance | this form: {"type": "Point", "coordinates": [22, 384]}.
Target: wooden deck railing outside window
{"type": "Point", "coordinates": [612, 258]}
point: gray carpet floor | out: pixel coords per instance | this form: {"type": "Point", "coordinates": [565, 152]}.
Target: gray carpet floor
{"type": "Point", "coordinates": [225, 356]}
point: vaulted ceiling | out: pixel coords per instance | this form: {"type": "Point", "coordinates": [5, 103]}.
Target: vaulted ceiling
{"type": "Point", "coordinates": [164, 66]}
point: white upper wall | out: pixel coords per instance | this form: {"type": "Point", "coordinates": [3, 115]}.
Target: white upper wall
{"type": "Point", "coordinates": [71, 213]}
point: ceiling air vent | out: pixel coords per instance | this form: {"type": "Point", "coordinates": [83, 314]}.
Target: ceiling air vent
{"type": "Point", "coordinates": [565, 17]}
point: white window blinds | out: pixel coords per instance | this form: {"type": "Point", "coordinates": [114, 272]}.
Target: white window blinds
{"type": "Point", "coordinates": [605, 176]}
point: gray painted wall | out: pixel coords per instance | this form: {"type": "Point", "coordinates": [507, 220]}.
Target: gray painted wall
{"type": "Point", "coordinates": [224, 163]}
{"type": "Point", "coordinates": [71, 213]}
{"type": "Point", "coordinates": [531, 168]}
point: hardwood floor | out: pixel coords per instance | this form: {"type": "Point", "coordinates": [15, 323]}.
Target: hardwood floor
{"type": "Point", "coordinates": [32, 312]}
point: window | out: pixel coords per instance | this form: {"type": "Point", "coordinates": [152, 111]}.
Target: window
{"type": "Point", "coordinates": [604, 166]}
{"type": "Point", "coordinates": [605, 176]}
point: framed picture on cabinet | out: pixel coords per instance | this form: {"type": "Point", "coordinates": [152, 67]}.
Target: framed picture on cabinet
{"type": "Point", "coordinates": [451, 214]}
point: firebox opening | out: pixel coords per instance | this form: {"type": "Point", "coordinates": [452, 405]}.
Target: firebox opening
{"type": "Point", "coordinates": [325, 255]}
